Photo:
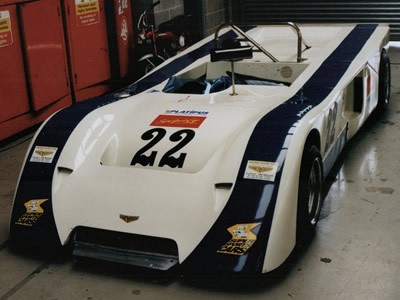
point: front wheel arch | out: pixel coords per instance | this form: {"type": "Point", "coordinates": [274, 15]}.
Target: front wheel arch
{"type": "Point", "coordinates": [283, 234]}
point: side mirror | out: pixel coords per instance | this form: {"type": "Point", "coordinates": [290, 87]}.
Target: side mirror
{"type": "Point", "coordinates": [231, 50]}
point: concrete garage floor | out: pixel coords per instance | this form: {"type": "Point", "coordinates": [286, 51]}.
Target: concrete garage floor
{"type": "Point", "coordinates": [354, 255]}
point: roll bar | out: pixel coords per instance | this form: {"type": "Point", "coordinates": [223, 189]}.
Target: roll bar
{"type": "Point", "coordinates": [247, 38]}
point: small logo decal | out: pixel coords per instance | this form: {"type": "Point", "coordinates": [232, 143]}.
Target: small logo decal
{"type": "Point", "coordinates": [184, 99]}
{"type": "Point", "coordinates": [43, 154]}
{"type": "Point", "coordinates": [128, 219]}
{"type": "Point", "coordinates": [33, 212]}
{"type": "Point", "coordinates": [242, 239]}
{"type": "Point", "coordinates": [286, 72]}
{"type": "Point", "coordinates": [261, 170]}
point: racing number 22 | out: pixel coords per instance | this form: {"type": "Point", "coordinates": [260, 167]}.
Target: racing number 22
{"type": "Point", "coordinates": [156, 135]}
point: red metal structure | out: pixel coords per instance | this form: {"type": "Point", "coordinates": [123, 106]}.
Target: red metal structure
{"type": "Point", "coordinates": [14, 99]}
{"type": "Point", "coordinates": [34, 80]}
{"type": "Point", "coordinates": [46, 61]}
{"type": "Point", "coordinates": [88, 47]}
{"type": "Point", "coordinates": [57, 52]}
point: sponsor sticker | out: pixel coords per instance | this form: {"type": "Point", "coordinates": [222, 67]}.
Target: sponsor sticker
{"type": "Point", "coordinates": [186, 112]}
{"type": "Point", "coordinates": [242, 239]}
{"type": "Point", "coordinates": [261, 170]}
{"type": "Point", "coordinates": [43, 154]}
{"type": "Point", "coordinates": [87, 12]}
{"type": "Point", "coordinates": [33, 212]}
{"type": "Point", "coordinates": [178, 121]}
{"type": "Point", "coordinates": [6, 38]}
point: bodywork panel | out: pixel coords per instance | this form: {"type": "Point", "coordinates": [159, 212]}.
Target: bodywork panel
{"type": "Point", "coordinates": [228, 195]}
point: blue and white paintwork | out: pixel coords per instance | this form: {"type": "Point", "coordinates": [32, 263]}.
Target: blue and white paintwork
{"type": "Point", "coordinates": [91, 177]}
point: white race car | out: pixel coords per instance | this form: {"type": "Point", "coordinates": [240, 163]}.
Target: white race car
{"type": "Point", "coordinates": [212, 162]}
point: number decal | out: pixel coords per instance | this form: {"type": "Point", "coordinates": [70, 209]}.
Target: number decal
{"type": "Point", "coordinates": [168, 159]}
{"type": "Point", "coordinates": [142, 159]}
{"type": "Point", "coordinates": [331, 126]}
{"type": "Point", "coordinates": [182, 136]}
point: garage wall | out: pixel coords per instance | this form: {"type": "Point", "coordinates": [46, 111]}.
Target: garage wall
{"type": "Point", "coordinates": [211, 13]}
{"type": "Point", "coordinates": [308, 11]}
{"type": "Point", "coordinates": [207, 15]}
{"type": "Point", "coordinates": [167, 10]}
{"type": "Point", "coordinates": [215, 15]}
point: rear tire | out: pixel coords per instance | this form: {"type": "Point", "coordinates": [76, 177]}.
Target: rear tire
{"type": "Point", "coordinates": [384, 83]}
{"type": "Point", "coordinates": [310, 194]}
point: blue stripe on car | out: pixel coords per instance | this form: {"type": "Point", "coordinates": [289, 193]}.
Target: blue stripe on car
{"type": "Point", "coordinates": [253, 201]}
{"type": "Point", "coordinates": [36, 179]}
